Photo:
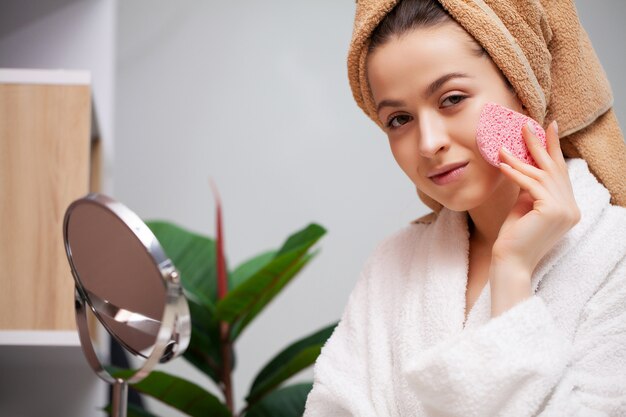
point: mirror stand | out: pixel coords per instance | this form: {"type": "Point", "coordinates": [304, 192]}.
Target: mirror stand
{"type": "Point", "coordinates": [119, 403]}
{"type": "Point", "coordinates": [124, 278]}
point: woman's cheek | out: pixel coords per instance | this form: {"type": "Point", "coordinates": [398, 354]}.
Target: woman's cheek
{"type": "Point", "coordinates": [403, 154]}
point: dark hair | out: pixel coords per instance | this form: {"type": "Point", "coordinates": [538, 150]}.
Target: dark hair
{"type": "Point", "coordinates": [412, 14]}
{"type": "Point", "coordinates": [408, 15]}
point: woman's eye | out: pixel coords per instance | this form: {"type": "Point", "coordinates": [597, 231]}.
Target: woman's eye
{"type": "Point", "coordinates": [398, 121]}
{"type": "Point", "coordinates": [454, 99]}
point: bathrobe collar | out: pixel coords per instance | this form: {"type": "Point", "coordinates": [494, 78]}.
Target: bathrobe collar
{"type": "Point", "coordinates": [446, 259]}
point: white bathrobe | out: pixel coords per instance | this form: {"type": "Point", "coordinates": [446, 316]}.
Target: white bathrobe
{"type": "Point", "coordinates": [402, 347]}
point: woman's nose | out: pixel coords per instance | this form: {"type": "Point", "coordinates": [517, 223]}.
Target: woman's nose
{"type": "Point", "coordinates": [433, 137]}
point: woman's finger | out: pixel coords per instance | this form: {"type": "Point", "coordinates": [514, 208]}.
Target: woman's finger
{"type": "Point", "coordinates": [554, 144]}
{"type": "Point", "coordinates": [545, 183]}
{"type": "Point", "coordinates": [507, 157]}
{"type": "Point", "coordinates": [541, 156]}
{"type": "Point", "coordinates": [533, 186]}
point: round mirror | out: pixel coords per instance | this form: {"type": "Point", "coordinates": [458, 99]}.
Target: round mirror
{"type": "Point", "coordinates": [123, 276]}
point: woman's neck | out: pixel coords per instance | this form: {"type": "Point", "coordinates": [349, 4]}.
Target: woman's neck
{"type": "Point", "coordinates": [485, 221]}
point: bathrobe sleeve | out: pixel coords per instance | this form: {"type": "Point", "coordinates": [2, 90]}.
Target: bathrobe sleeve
{"type": "Point", "coordinates": [521, 364]}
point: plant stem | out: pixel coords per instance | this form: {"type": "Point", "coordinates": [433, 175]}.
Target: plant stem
{"type": "Point", "coordinates": [222, 289]}
{"type": "Point", "coordinates": [226, 346]}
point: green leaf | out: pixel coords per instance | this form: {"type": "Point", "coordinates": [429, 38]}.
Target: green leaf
{"type": "Point", "coordinates": [194, 256]}
{"type": "Point", "coordinates": [249, 297]}
{"type": "Point", "coordinates": [178, 393]}
{"type": "Point", "coordinates": [132, 411]}
{"type": "Point", "coordinates": [304, 238]}
{"type": "Point", "coordinates": [136, 411]}
{"type": "Point", "coordinates": [244, 295]}
{"type": "Point", "coordinates": [269, 292]}
{"type": "Point", "coordinates": [285, 402]}
{"type": "Point", "coordinates": [250, 267]}
{"type": "Point", "coordinates": [296, 357]}
{"type": "Point", "coordinates": [204, 352]}
{"type": "Point", "coordinates": [204, 347]}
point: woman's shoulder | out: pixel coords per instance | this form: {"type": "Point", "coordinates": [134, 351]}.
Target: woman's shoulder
{"type": "Point", "coordinates": [403, 237]}
{"type": "Point", "coordinates": [395, 250]}
{"type": "Point", "coordinates": [614, 219]}
{"type": "Point", "coordinates": [617, 211]}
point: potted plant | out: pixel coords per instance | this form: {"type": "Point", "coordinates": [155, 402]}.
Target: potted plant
{"type": "Point", "coordinates": [222, 304]}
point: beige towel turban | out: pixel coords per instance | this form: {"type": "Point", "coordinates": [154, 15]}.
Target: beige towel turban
{"type": "Point", "coordinates": [542, 49]}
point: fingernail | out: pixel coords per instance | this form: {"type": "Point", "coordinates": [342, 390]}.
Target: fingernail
{"type": "Point", "coordinates": [531, 128]}
{"type": "Point", "coordinates": [556, 127]}
{"type": "Point", "coordinates": [505, 149]}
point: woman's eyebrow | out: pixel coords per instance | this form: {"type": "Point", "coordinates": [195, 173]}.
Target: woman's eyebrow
{"type": "Point", "coordinates": [389, 103]}
{"type": "Point", "coordinates": [439, 82]}
{"type": "Point", "coordinates": [432, 88]}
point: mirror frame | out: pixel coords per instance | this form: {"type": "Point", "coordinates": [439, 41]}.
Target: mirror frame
{"type": "Point", "coordinates": [175, 331]}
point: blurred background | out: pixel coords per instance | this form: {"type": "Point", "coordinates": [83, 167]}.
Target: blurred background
{"type": "Point", "coordinates": [255, 96]}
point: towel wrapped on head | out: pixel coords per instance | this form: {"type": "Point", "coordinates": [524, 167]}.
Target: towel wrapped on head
{"type": "Point", "coordinates": [547, 57]}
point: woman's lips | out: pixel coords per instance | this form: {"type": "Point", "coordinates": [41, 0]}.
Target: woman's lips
{"type": "Point", "coordinates": [449, 176]}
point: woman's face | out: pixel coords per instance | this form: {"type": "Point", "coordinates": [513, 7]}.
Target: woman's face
{"type": "Point", "coordinates": [429, 86]}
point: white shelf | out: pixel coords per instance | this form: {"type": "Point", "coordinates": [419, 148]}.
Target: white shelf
{"type": "Point", "coordinates": [39, 338]}
{"type": "Point", "coordinates": [49, 380]}
{"type": "Point", "coordinates": [44, 76]}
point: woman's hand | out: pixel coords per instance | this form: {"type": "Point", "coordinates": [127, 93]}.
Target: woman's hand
{"type": "Point", "coordinates": [545, 209]}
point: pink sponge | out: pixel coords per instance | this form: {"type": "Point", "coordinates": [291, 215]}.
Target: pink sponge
{"type": "Point", "coordinates": [500, 126]}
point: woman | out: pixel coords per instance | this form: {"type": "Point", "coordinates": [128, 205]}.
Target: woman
{"type": "Point", "coordinates": [510, 298]}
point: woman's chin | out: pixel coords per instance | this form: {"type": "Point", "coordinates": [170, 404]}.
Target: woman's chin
{"type": "Point", "coordinates": [459, 206]}
{"type": "Point", "coordinates": [462, 202]}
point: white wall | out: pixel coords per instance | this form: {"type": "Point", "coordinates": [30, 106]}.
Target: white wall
{"type": "Point", "coordinates": [604, 21]}
{"type": "Point", "coordinates": [255, 95]}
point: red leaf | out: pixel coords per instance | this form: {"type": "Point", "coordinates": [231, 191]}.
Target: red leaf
{"type": "Point", "coordinates": [222, 285]}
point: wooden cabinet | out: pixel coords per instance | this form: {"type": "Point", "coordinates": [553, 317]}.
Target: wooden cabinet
{"type": "Point", "coordinates": [45, 151]}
